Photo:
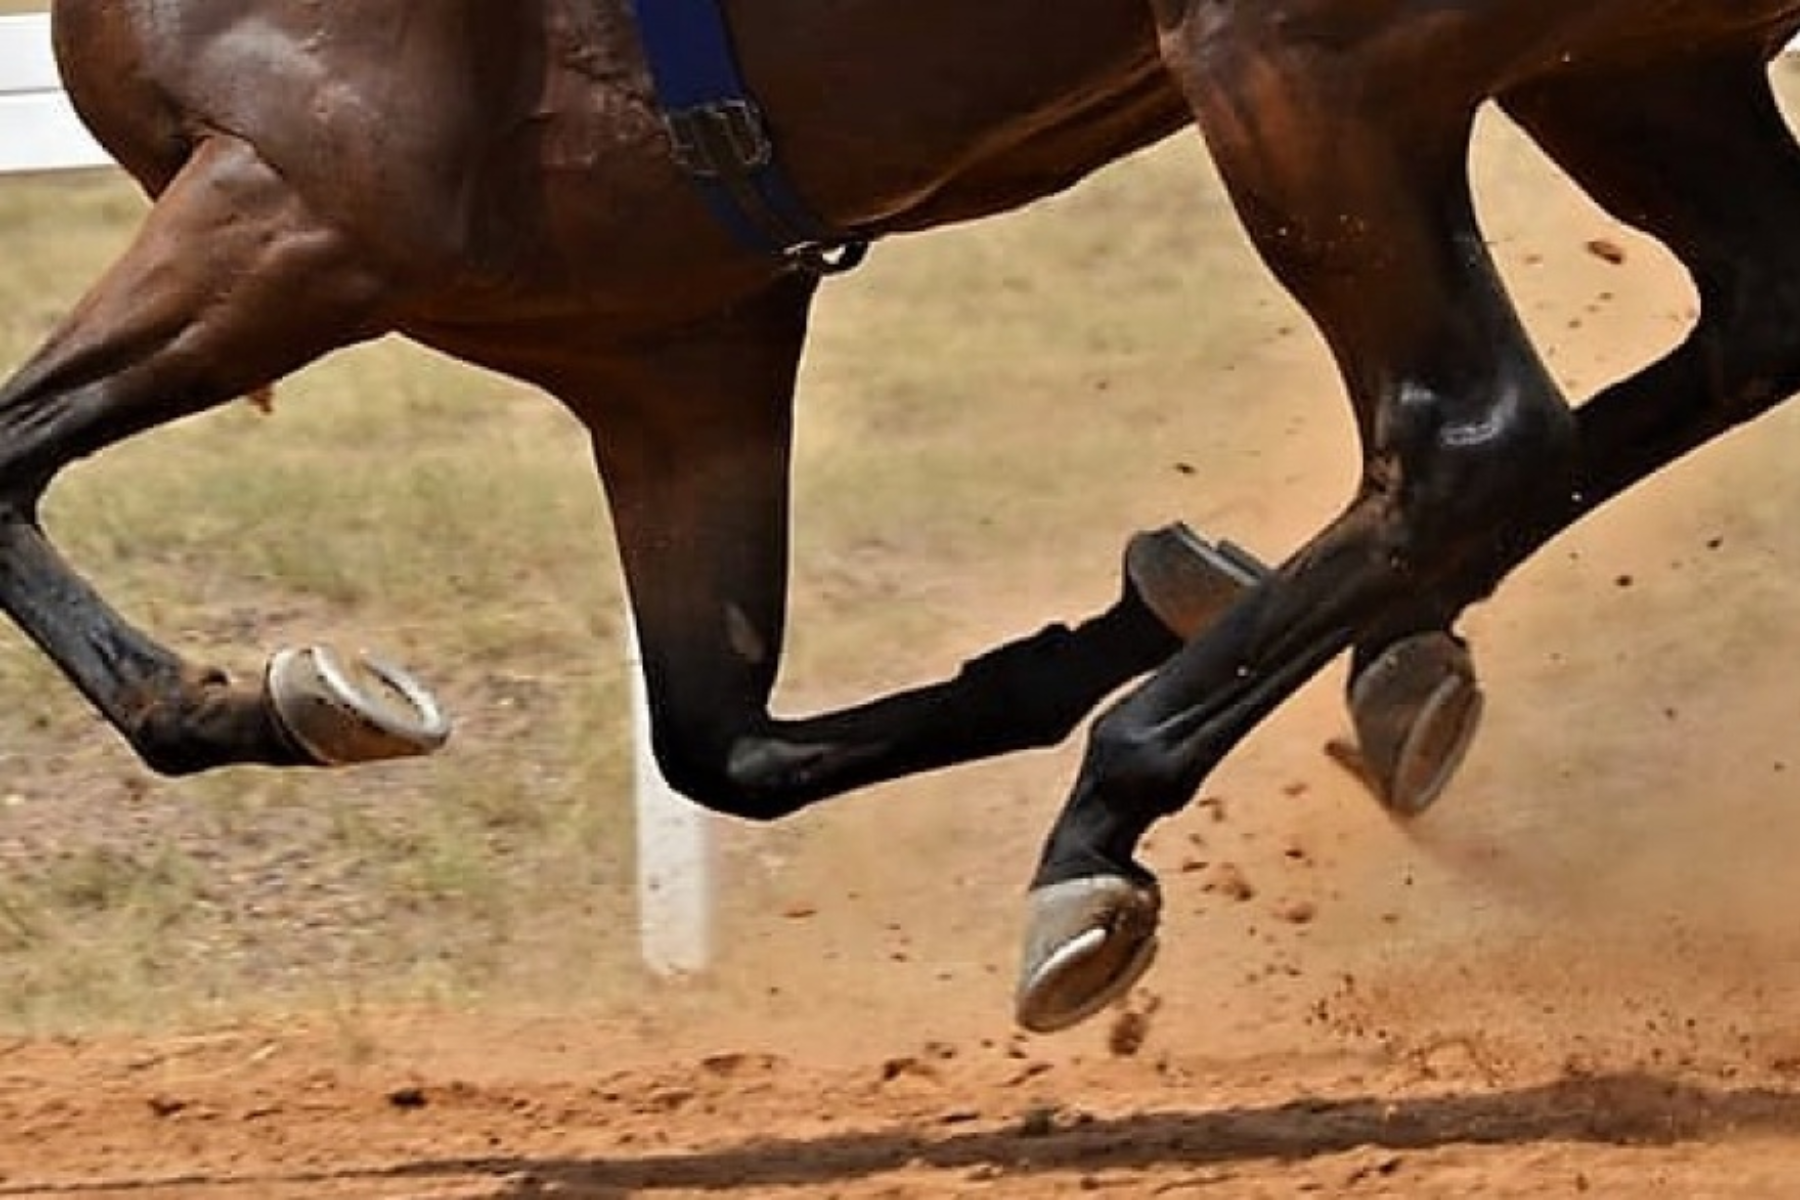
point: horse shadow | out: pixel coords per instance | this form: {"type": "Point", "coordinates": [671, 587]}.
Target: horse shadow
{"type": "Point", "coordinates": [1618, 1110]}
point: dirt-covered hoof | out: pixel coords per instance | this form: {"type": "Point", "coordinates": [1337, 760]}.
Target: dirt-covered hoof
{"type": "Point", "coordinates": [350, 711]}
{"type": "Point", "coordinates": [1416, 708]}
{"type": "Point", "coordinates": [1086, 942]}
{"type": "Point", "coordinates": [1186, 580]}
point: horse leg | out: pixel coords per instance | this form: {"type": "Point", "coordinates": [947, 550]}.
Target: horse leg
{"type": "Point", "coordinates": [230, 283]}
{"type": "Point", "coordinates": [1698, 155]}
{"type": "Point", "coordinates": [1414, 700]}
{"type": "Point", "coordinates": [1354, 187]}
{"type": "Point", "coordinates": [692, 441]}
{"type": "Point", "coordinates": [1650, 145]}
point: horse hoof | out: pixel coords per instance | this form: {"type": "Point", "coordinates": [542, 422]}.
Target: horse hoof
{"type": "Point", "coordinates": [351, 712]}
{"type": "Point", "coordinates": [1416, 708]}
{"type": "Point", "coordinates": [1185, 580]}
{"type": "Point", "coordinates": [1087, 941]}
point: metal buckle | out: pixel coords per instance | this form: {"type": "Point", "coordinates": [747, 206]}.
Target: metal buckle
{"type": "Point", "coordinates": [726, 137]}
{"type": "Point", "coordinates": [828, 258]}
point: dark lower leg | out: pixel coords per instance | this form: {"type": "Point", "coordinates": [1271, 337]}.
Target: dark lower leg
{"type": "Point", "coordinates": [230, 285]}
{"type": "Point", "coordinates": [1028, 693]}
{"type": "Point", "coordinates": [1699, 156]}
{"type": "Point", "coordinates": [1148, 754]}
{"type": "Point", "coordinates": [177, 718]}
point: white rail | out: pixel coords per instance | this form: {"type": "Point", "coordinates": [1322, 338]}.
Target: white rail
{"type": "Point", "coordinates": [38, 129]}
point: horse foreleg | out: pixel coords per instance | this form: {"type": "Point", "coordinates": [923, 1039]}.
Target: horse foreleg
{"type": "Point", "coordinates": [1413, 697]}
{"type": "Point", "coordinates": [693, 441]}
{"type": "Point", "coordinates": [230, 283]}
{"type": "Point", "coordinates": [1354, 189]}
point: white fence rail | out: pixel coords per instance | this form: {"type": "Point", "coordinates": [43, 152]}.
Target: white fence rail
{"type": "Point", "coordinates": [39, 131]}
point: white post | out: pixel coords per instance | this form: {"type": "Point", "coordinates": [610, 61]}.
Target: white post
{"type": "Point", "coordinates": [674, 853]}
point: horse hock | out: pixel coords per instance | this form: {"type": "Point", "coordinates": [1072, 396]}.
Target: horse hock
{"type": "Point", "coordinates": [342, 710]}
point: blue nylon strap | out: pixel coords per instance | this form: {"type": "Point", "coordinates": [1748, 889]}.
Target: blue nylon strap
{"type": "Point", "coordinates": [719, 137]}
{"type": "Point", "coordinates": [690, 52]}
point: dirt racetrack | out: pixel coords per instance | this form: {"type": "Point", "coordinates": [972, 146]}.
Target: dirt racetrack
{"type": "Point", "coordinates": [1576, 977]}
{"type": "Point", "coordinates": [561, 1108]}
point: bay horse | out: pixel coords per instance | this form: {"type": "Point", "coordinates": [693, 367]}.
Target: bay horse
{"type": "Point", "coordinates": [495, 180]}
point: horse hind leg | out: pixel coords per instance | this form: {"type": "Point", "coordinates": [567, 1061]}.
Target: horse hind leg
{"type": "Point", "coordinates": [1653, 146]}
{"type": "Point", "coordinates": [1697, 154]}
{"type": "Point", "coordinates": [231, 283]}
{"type": "Point", "coordinates": [1361, 207]}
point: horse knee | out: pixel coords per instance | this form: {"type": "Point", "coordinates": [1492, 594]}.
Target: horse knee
{"type": "Point", "coordinates": [1137, 764]}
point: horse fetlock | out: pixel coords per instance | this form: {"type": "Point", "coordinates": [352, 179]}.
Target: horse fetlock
{"type": "Point", "coordinates": [204, 722]}
{"type": "Point", "coordinates": [164, 742]}
{"type": "Point", "coordinates": [1143, 769]}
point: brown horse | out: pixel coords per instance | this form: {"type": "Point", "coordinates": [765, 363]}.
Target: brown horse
{"type": "Point", "coordinates": [494, 180]}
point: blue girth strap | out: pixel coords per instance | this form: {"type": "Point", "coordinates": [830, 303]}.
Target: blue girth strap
{"type": "Point", "coordinates": [720, 139]}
